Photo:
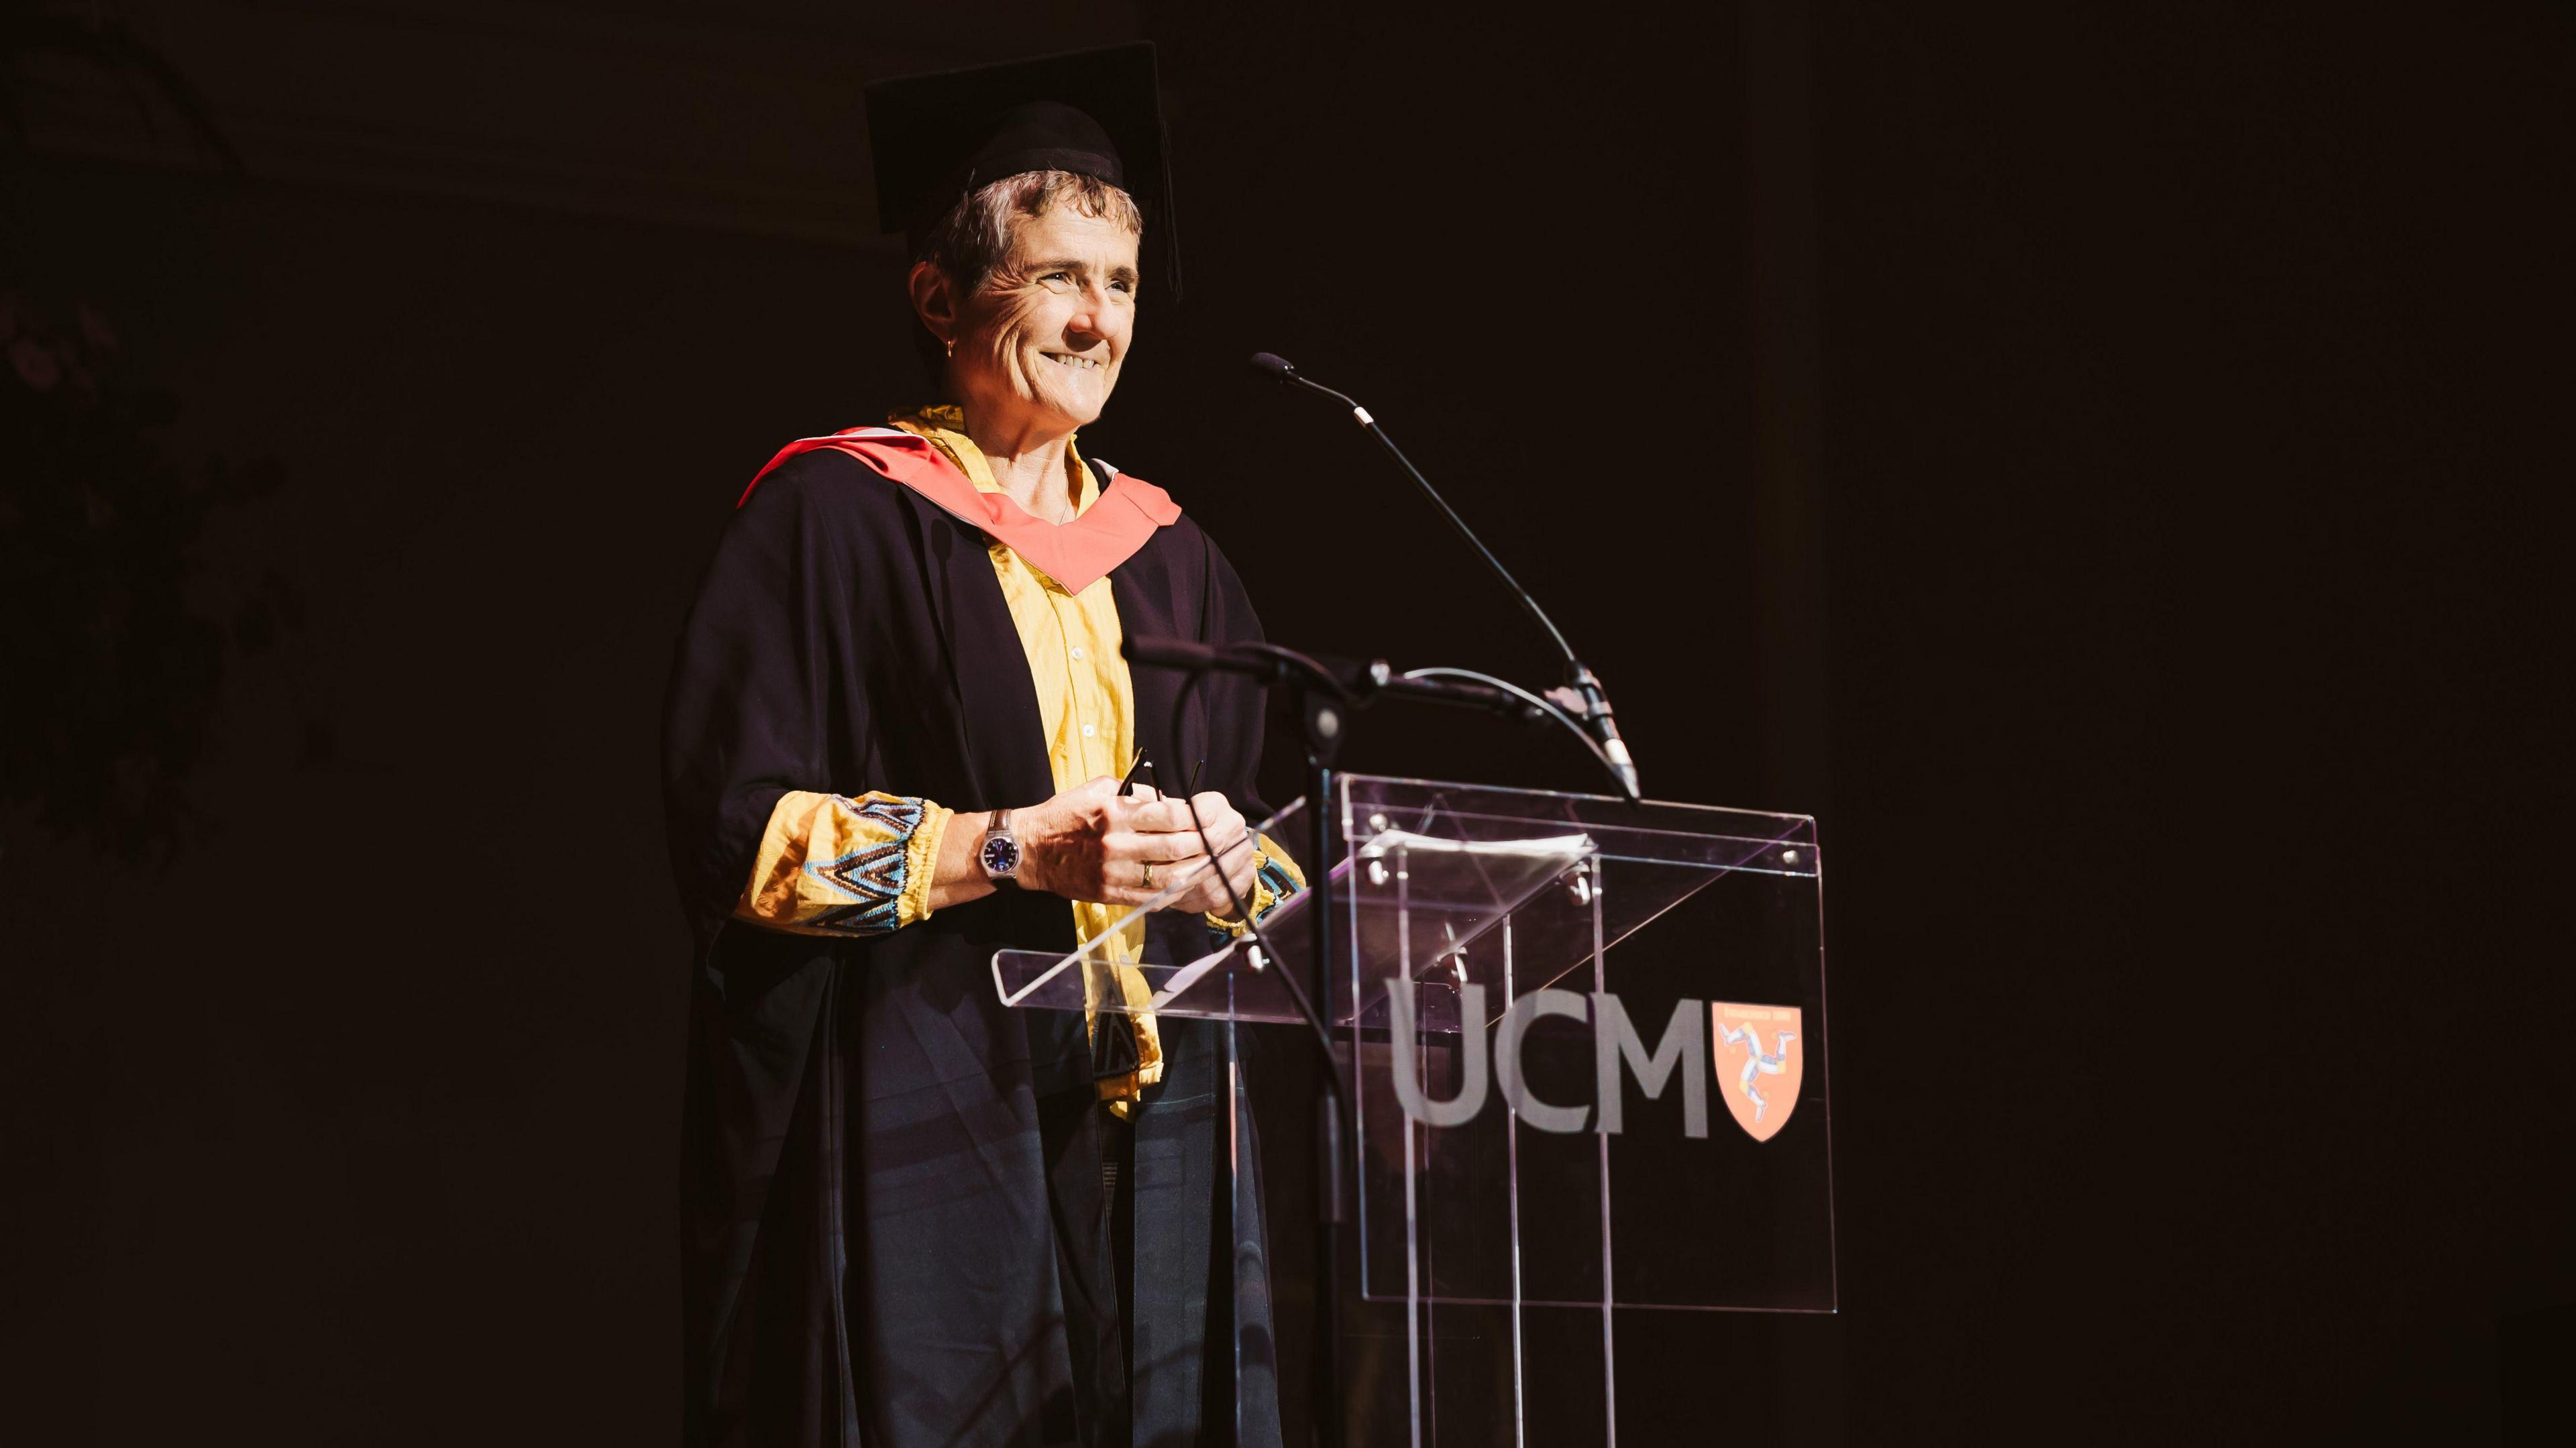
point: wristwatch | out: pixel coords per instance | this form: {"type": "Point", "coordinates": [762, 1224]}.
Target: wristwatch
{"type": "Point", "coordinates": [1000, 852]}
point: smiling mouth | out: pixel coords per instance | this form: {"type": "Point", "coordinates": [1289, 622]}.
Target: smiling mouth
{"type": "Point", "coordinates": [1079, 364]}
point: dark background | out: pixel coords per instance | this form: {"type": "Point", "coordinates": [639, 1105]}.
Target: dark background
{"type": "Point", "coordinates": [2105, 468]}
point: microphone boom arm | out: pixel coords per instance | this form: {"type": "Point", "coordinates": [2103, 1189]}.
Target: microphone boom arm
{"type": "Point", "coordinates": [1595, 704]}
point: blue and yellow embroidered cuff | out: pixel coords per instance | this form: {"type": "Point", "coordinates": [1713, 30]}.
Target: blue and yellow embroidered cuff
{"type": "Point", "coordinates": [830, 864]}
{"type": "Point", "coordinates": [1273, 880]}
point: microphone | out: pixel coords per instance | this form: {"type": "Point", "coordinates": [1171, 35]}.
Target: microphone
{"type": "Point", "coordinates": [1587, 701]}
{"type": "Point", "coordinates": [1271, 364]}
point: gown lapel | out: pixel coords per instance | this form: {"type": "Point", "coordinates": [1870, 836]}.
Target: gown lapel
{"type": "Point", "coordinates": [1004, 741]}
{"type": "Point", "coordinates": [1152, 599]}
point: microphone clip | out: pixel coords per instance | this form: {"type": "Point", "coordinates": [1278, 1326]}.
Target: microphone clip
{"type": "Point", "coordinates": [1583, 698]}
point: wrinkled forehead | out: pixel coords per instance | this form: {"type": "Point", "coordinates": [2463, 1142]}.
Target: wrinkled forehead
{"type": "Point", "coordinates": [1064, 232]}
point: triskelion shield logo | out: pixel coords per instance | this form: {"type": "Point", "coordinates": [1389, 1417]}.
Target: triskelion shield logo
{"type": "Point", "coordinates": [1760, 1059]}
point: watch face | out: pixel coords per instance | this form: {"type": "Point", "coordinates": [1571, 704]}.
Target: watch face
{"type": "Point", "coordinates": [1001, 855]}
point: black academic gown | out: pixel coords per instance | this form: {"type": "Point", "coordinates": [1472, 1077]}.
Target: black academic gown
{"type": "Point", "coordinates": [872, 1248]}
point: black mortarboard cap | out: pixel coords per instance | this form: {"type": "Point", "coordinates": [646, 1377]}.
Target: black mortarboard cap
{"type": "Point", "coordinates": [935, 138]}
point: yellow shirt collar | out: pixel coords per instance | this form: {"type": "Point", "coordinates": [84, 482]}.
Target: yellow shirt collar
{"type": "Point", "coordinates": [944, 423]}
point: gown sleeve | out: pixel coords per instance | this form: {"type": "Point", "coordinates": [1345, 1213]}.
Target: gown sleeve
{"type": "Point", "coordinates": [1235, 752]}
{"type": "Point", "coordinates": [760, 692]}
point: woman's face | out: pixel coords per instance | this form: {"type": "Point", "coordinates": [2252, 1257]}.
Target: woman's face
{"type": "Point", "coordinates": [1039, 345]}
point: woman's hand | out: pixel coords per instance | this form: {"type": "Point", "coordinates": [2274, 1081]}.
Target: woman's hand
{"type": "Point", "coordinates": [1091, 843]}
{"type": "Point", "coordinates": [1238, 855]}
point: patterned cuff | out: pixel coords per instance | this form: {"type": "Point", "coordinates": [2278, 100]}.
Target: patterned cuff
{"type": "Point", "coordinates": [831, 864]}
{"type": "Point", "coordinates": [1273, 880]}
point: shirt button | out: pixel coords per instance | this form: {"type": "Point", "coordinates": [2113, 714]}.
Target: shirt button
{"type": "Point", "coordinates": [1088, 731]}
{"type": "Point", "coordinates": [1077, 653]}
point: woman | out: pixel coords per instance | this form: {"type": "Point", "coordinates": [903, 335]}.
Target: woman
{"type": "Point", "coordinates": [893, 741]}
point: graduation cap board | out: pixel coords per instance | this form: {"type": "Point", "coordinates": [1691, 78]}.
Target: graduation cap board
{"type": "Point", "coordinates": [935, 138]}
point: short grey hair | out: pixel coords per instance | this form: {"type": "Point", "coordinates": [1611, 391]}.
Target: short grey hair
{"type": "Point", "coordinates": [971, 240]}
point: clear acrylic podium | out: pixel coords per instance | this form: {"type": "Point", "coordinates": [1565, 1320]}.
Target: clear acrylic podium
{"type": "Point", "coordinates": [1591, 1082]}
